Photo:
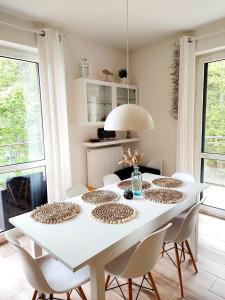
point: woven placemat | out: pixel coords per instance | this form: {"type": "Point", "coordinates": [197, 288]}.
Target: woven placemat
{"type": "Point", "coordinates": [168, 182]}
{"type": "Point", "coordinates": [127, 185]}
{"type": "Point", "coordinates": [100, 197]}
{"type": "Point", "coordinates": [164, 196]}
{"type": "Point", "coordinates": [113, 213]}
{"type": "Point", "coordinates": [55, 212]}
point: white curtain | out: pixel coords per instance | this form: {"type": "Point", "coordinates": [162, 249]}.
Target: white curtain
{"type": "Point", "coordinates": [53, 92]}
{"type": "Point", "coordinates": [185, 132]}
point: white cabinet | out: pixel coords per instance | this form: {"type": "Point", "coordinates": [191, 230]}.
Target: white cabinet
{"type": "Point", "coordinates": [95, 99]}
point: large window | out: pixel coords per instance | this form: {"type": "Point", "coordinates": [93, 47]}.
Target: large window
{"type": "Point", "coordinates": [22, 157]}
{"type": "Point", "coordinates": [213, 133]}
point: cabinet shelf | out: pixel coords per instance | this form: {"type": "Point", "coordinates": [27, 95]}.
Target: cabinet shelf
{"type": "Point", "coordinates": [97, 99]}
{"type": "Point", "coordinates": [109, 143]}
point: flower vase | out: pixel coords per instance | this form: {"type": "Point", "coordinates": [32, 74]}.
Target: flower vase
{"type": "Point", "coordinates": [136, 179]}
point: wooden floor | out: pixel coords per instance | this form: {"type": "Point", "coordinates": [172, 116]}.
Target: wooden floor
{"type": "Point", "coordinates": [208, 284]}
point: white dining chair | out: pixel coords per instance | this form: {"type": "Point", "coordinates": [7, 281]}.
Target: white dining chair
{"type": "Point", "coordinates": [179, 233]}
{"type": "Point", "coordinates": [185, 177]}
{"type": "Point", "coordinates": [110, 179]}
{"type": "Point", "coordinates": [47, 275]}
{"type": "Point", "coordinates": [155, 163]}
{"type": "Point", "coordinates": [137, 261]}
{"type": "Point", "coordinates": [76, 190]}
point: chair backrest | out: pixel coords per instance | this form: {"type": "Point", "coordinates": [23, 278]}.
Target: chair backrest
{"type": "Point", "coordinates": [188, 225]}
{"type": "Point", "coordinates": [155, 163]}
{"type": "Point", "coordinates": [76, 190]}
{"type": "Point", "coordinates": [110, 179]}
{"type": "Point", "coordinates": [31, 269]}
{"type": "Point", "coordinates": [145, 255]}
{"type": "Point", "coordinates": [186, 177]}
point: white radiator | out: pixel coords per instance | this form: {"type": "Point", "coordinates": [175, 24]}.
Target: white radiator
{"type": "Point", "coordinates": [101, 162]}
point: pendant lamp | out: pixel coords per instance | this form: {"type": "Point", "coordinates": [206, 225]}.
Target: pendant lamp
{"type": "Point", "coordinates": [128, 116]}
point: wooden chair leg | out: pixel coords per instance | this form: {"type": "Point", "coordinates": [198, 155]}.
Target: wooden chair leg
{"type": "Point", "coordinates": [51, 296]}
{"type": "Point", "coordinates": [107, 281]}
{"type": "Point", "coordinates": [179, 270]}
{"type": "Point", "coordinates": [163, 249]}
{"type": "Point", "coordinates": [35, 295]}
{"type": "Point", "coordinates": [183, 250]}
{"type": "Point", "coordinates": [154, 285]}
{"type": "Point", "coordinates": [191, 255]}
{"type": "Point", "coordinates": [130, 293]}
{"type": "Point", "coordinates": [82, 294]}
{"type": "Point", "coordinates": [68, 296]}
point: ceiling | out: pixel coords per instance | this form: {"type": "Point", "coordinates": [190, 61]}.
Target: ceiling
{"type": "Point", "coordinates": [104, 21]}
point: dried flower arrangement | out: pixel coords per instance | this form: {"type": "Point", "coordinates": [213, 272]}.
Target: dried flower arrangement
{"type": "Point", "coordinates": [131, 159]}
{"type": "Point", "coordinates": [175, 82]}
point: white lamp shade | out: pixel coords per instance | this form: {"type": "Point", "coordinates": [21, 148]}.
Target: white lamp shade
{"type": "Point", "coordinates": [128, 117]}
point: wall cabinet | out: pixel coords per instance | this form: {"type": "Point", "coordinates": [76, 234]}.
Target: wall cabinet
{"type": "Point", "coordinates": [95, 99]}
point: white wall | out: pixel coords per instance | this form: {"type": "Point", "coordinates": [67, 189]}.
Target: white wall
{"type": "Point", "coordinates": [150, 70]}
{"type": "Point", "coordinates": [100, 58]}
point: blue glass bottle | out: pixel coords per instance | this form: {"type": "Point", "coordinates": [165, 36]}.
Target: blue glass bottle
{"type": "Point", "coordinates": [136, 178]}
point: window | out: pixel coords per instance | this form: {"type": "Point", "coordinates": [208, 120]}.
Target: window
{"type": "Point", "coordinates": [22, 155]}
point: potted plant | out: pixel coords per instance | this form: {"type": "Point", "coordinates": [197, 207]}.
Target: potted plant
{"type": "Point", "coordinates": [122, 73]}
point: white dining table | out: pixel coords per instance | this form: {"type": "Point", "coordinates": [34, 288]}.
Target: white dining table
{"type": "Point", "coordinates": [86, 241]}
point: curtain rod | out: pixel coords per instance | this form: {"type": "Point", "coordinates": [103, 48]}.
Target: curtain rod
{"type": "Point", "coordinates": [41, 32]}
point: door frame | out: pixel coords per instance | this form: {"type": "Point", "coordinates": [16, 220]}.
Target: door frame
{"type": "Point", "coordinates": [199, 106]}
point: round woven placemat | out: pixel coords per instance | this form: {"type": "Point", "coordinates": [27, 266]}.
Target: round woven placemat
{"type": "Point", "coordinates": [100, 197]}
{"type": "Point", "coordinates": [113, 213]}
{"type": "Point", "coordinates": [164, 196]}
{"type": "Point", "coordinates": [55, 212]}
{"type": "Point", "coordinates": [127, 185]}
{"type": "Point", "coordinates": [167, 182]}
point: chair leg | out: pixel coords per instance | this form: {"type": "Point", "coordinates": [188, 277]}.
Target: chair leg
{"type": "Point", "coordinates": [179, 270]}
{"type": "Point", "coordinates": [68, 296]}
{"type": "Point", "coordinates": [130, 289]}
{"type": "Point", "coordinates": [154, 285]}
{"type": "Point", "coordinates": [107, 281]}
{"type": "Point", "coordinates": [191, 255]}
{"type": "Point", "coordinates": [35, 295]}
{"type": "Point", "coordinates": [163, 249]}
{"type": "Point", "coordinates": [183, 250]}
{"type": "Point", "coordinates": [81, 293]}
{"type": "Point", "coordinates": [51, 296]}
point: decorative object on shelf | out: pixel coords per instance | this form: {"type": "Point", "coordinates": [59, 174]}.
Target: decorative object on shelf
{"type": "Point", "coordinates": [122, 73]}
{"type": "Point", "coordinates": [129, 134]}
{"type": "Point", "coordinates": [127, 184]}
{"type": "Point", "coordinates": [57, 212]}
{"type": "Point", "coordinates": [133, 159]}
{"type": "Point", "coordinates": [167, 182]}
{"type": "Point", "coordinates": [113, 213]}
{"type": "Point", "coordinates": [85, 68]}
{"type": "Point", "coordinates": [107, 73]}
{"type": "Point", "coordinates": [100, 197]}
{"type": "Point", "coordinates": [165, 196]}
{"type": "Point", "coordinates": [175, 82]}
{"type": "Point", "coordinates": [128, 116]}
{"type": "Point", "coordinates": [102, 134]}
{"type": "Point", "coordinates": [128, 194]}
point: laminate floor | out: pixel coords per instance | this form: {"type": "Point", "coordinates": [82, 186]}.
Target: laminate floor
{"type": "Point", "coordinates": [208, 284]}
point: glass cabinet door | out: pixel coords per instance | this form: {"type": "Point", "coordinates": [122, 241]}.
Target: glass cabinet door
{"type": "Point", "coordinates": [122, 96]}
{"type": "Point", "coordinates": [99, 102]}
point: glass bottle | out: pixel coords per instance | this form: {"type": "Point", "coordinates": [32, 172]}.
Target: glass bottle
{"type": "Point", "coordinates": [136, 178]}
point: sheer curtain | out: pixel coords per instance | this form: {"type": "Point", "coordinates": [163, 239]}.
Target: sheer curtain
{"type": "Point", "coordinates": [55, 121]}
{"type": "Point", "coordinates": [185, 131]}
